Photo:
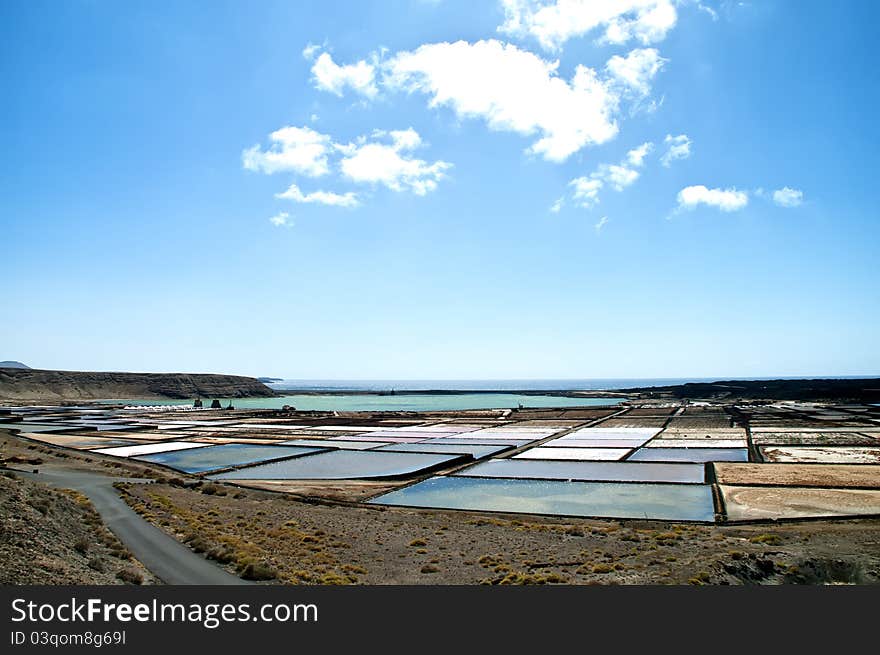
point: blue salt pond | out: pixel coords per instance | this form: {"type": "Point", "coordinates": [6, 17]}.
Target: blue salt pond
{"type": "Point", "coordinates": [588, 471]}
{"type": "Point", "coordinates": [343, 465]}
{"type": "Point", "coordinates": [38, 427]}
{"type": "Point", "coordinates": [210, 458]}
{"type": "Point", "coordinates": [672, 502]}
{"type": "Point", "coordinates": [690, 455]}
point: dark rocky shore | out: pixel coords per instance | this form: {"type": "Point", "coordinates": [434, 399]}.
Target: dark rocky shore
{"type": "Point", "coordinates": [864, 390]}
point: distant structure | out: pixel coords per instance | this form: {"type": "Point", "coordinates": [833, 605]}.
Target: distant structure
{"type": "Point", "coordinates": [215, 404]}
{"type": "Point", "coordinates": [229, 406]}
{"type": "Point", "coordinates": [197, 404]}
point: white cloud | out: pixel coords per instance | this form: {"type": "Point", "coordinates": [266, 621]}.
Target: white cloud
{"type": "Point", "coordinates": [294, 193]}
{"type": "Point", "coordinates": [512, 90]}
{"type": "Point", "coordinates": [554, 23]}
{"type": "Point", "coordinates": [602, 222]}
{"type": "Point", "coordinates": [786, 197]}
{"type": "Point", "coordinates": [617, 176]}
{"type": "Point", "coordinates": [636, 156]}
{"type": "Point", "coordinates": [637, 69]}
{"type": "Point", "coordinates": [727, 200]}
{"type": "Point", "coordinates": [407, 139]}
{"type": "Point", "coordinates": [281, 220]}
{"type": "Point", "coordinates": [382, 158]}
{"type": "Point", "coordinates": [329, 76]}
{"type": "Point", "coordinates": [586, 191]}
{"type": "Point", "coordinates": [310, 50]}
{"type": "Point", "coordinates": [391, 164]}
{"type": "Point", "coordinates": [297, 149]}
{"type": "Point", "coordinates": [556, 206]}
{"type": "Point", "coordinates": [679, 148]}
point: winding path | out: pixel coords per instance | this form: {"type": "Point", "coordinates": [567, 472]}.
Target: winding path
{"type": "Point", "coordinates": [165, 557]}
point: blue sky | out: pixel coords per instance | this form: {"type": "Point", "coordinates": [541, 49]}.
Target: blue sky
{"type": "Point", "coordinates": [422, 148]}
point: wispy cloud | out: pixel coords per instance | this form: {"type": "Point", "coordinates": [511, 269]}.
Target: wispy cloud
{"type": "Point", "coordinates": [348, 199]}
{"type": "Point", "coordinates": [637, 155]}
{"type": "Point", "coordinates": [679, 147]}
{"type": "Point", "coordinates": [637, 70]}
{"type": "Point", "coordinates": [617, 176]}
{"type": "Point", "coordinates": [787, 197]}
{"type": "Point", "coordinates": [602, 222]}
{"type": "Point", "coordinates": [586, 191]}
{"type": "Point", "coordinates": [619, 21]}
{"type": "Point", "coordinates": [558, 205]}
{"type": "Point", "coordinates": [281, 219]}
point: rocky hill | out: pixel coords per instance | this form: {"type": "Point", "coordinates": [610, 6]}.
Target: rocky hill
{"type": "Point", "coordinates": [35, 384]}
{"type": "Point", "coordinates": [10, 363]}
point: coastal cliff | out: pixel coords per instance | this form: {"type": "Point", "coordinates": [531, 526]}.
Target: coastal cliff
{"type": "Point", "coordinates": [35, 384]}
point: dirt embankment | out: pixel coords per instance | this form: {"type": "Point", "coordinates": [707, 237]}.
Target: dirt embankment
{"type": "Point", "coordinates": [33, 384]}
{"type": "Point", "coordinates": [56, 537]}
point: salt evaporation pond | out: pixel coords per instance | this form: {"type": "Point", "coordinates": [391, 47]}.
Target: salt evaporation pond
{"type": "Point", "coordinates": [199, 460]}
{"type": "Point", "coordinates": [343, 465]}
{"type": "Point", "coordinates": [588, 471]}
{"type": "Point", "coordinates": [671, 502]}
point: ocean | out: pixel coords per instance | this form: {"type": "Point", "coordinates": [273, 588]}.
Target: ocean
{"type": "Point", "coordinates": [307, 394]}
{"type": "Point", "coordinates": [417, 402]}
{"type": "Point", "coordinates": [593, 384]}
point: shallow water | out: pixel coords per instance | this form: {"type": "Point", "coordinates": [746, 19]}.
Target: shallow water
{"type": "Point", "coordinates": [408, 402]}
{"type": "Point", "coordinates": [673, 502]}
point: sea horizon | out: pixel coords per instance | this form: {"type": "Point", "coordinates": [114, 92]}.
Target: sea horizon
{"type": "Point", "coordinates": [515, 384]}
